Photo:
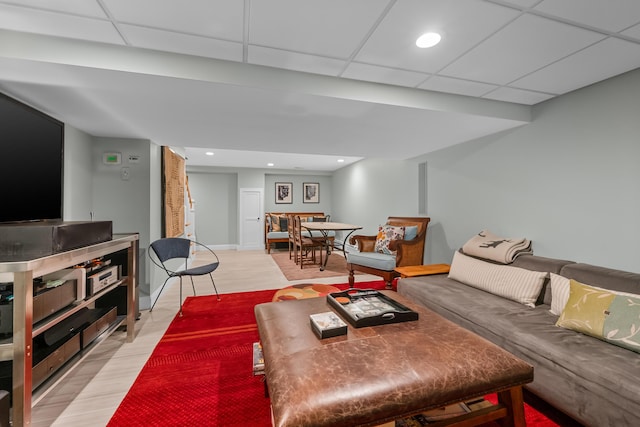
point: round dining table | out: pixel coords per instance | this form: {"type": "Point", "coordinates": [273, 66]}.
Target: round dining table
{"type": "Point", "coordinates": [325, 228]}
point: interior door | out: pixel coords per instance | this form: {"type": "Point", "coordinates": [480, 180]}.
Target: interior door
{"type": "Point", "coordinates": [251, 219]}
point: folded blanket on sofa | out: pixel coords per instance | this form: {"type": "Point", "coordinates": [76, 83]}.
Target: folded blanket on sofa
{"type": "Point", "coordinates": [489, 246]}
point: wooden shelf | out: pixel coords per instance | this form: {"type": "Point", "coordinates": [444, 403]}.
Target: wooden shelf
{"type": "Point", "coordinates": [42, 390]}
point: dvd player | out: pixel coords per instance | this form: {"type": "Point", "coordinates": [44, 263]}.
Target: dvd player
{"type": "Point", "coordinates": [101, 279]}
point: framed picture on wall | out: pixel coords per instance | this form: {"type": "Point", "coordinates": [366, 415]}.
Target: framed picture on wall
{"type": "Point", "coordinates": [284, 192]}
{"type": "Point", "coordinates": [310, 192]}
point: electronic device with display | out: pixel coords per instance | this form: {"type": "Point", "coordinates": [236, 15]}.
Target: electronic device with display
{"type": "Point", "coordinates": [32, 163]}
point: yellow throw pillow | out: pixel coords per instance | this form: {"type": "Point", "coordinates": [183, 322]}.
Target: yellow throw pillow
{"type": "Point", "coordinates": [604, 314]}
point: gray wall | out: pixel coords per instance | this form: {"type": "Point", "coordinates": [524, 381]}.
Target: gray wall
{"type": "Point", "coordinates": [569, 181]}
{"type": "Point", "coordinates": [132, 206]}
{"type": "Point", "coordinates": [78, 173]}
{"type": "Point", "coordinates": [216, 198]}
{"type": "Point", "coordinates": [216, 206]}
{"type": "Point", "coordinates": [369, 191]}
{"type": "Point", "coordinates": [324, 205]}
{"type": "Point", "coordinates": [127, 203]}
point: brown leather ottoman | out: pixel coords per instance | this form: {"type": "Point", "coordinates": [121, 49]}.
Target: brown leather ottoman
{"type": "Point", "coordinates": [381, 373]}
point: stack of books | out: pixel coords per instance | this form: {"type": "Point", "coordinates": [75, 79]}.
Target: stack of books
{"type": "Point", "coordinates": [258, 359]}
{"type": "Point", "coordinates": [439, 414]}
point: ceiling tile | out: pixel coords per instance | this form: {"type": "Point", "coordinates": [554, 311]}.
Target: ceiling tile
{"type": "Point", "coordinates": [393, 42]}
{"type": "Point", "coordinates": [221, 18]}
{"type": "Point", "coordinates": [517, 96]}
{"type": "Point", "coordinates": [595, 63]}
{"type": "Point", "coordinates": [77, 7]}
{"type": "Point", "coordinates": [457, 86]}
{"type": "Point", "coordinates": [294, 61]}
{"type": "Point", "coordinates": [610, 15]}
{"type": "Point", "coordinates": [633, 32]}
{"type": "Point", "coordinates": [182, 43]}
{"type": "Point", "coordinates": [57, 24]}
{"type": "Point", "coordinates": [333, 28]}
{"type": "Point", "coordinates": [522, 3]}
{"type": "Point", "coordinates": [528, 43]}
{"type": "Point", "coordinates": [373, 73]}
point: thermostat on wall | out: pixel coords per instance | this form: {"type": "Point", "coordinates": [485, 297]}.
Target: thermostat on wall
{"type": "Point", "coordinates": [112, 158]}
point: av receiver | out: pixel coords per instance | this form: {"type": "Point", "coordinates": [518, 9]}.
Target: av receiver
{"type": "Point", "coordinates": [101, 279]}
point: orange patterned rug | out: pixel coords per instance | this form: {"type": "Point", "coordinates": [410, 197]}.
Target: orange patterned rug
{"type": "Point", "coordinates": [336, 266]}
{"type": "Point", "coordinates": [310, 290]}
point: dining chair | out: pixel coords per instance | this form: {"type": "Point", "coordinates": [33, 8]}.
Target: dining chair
{"type": "Point", "coordinates": [305, 247]}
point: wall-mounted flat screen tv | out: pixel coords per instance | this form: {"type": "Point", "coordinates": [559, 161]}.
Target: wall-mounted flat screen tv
{"type": "Point", "coordinates": [31, 163]}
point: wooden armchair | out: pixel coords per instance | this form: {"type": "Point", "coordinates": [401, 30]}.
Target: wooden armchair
{"type": "Point", "coordinates": [407, 252]}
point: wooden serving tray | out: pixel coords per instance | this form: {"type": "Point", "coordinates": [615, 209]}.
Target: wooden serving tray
{"type": "Point", "coordinates": [368, 307]}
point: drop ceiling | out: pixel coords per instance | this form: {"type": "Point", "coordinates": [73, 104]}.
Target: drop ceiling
{"type": "Point", "coordinates": [303, 83]}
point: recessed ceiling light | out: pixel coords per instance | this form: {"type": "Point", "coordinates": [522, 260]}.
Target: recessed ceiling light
{"type": "Point", "coordinates": [270, 164]}
{"type": "Point", "coordinates": [428, 40]}
{"type": "Point", "coordinates": [340, 160]}
{"type": "Point", "coordinates": [209, 153]}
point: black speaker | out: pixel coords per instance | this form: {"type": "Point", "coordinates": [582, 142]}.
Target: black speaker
{"type": "Point", "coordinates": [21, 242]}
{"type": "Point", "coordinates": [4, 408]}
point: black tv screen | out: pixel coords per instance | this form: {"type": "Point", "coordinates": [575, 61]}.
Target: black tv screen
{"type": "Point", "coordinates": [31, 164]}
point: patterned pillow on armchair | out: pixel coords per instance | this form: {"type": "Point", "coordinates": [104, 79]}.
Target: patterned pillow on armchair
{"type": "Point", "coordinates": [386, 234]}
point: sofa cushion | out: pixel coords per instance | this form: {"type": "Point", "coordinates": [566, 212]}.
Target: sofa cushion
{"type": "Point", "coordinates": [608, 315]}
{"type": "Point", "coordinates": [305, 233]}
{"type": "Point", "coordinates": [278, 235]}
{"type": "Point", "coordinates": [372, 259]}
{"type": "Point", "coordinates": [514, 283]}
{"type": "Point", "coordinates": [616, 280]}
{"type": "Point", "coordinates": [387, 233]}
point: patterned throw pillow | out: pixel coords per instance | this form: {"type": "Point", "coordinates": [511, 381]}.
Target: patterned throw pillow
{"type": "Point", "coordinates": [284, 223]}
{"type": "Point", "coordinates": [514, 283]}
{"type": "Point", "coordinates": [386, 234]}
{"type": "Point", "coordinates": [275, 222]}
{"type": "Point", "coordinates": [604, 314]}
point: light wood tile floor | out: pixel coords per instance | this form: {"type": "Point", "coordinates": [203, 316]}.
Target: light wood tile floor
{"type": "Point", "coordinates": [90, 393]}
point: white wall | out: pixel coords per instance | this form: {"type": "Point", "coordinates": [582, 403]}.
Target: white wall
{"type": "Point", "coordinates": [568, 181]}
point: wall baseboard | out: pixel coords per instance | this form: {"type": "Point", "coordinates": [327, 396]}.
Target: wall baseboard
{"type": "Point", "coordinates": [223, 247]}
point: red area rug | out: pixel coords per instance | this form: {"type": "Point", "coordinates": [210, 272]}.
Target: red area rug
{"type": "Point", "coordinates": [200, 372]}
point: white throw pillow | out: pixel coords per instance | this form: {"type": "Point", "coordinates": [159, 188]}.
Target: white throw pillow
{"type": "Point", "coordinates": [559, 293]}
{"type": "Point", "coordinates": [514, 283]}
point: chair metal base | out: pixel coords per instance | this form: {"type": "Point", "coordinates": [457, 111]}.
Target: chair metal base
{"type": "Point", "coordinates": [192, 286]}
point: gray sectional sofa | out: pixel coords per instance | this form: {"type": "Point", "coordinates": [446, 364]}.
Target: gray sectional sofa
{"type": "Point", "coordinates": [592, 381]}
